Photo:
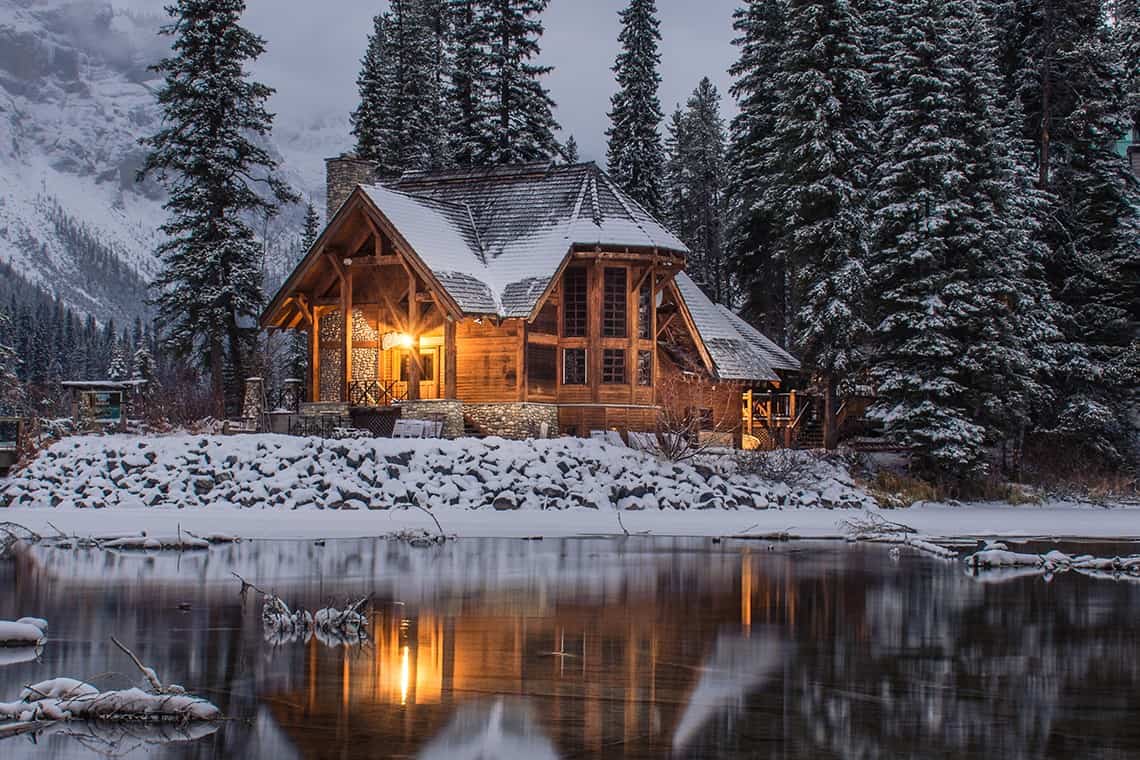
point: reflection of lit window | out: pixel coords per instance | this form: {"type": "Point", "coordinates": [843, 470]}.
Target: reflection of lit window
{"type": "Point", "coordinates": [405, 674]}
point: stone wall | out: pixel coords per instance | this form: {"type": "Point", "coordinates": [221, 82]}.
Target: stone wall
{"type": "Point", "coordinates": [342, 175]}
{"type": "Point", "coordinates": [516, 420]}
{"type": "Point", "coordinates": [450, 411]}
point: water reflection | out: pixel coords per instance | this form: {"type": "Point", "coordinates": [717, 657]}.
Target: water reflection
{"type": "Point", "coordinates": [623, 649]}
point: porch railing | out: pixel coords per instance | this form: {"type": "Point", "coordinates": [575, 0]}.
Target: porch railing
{"type": "Point", "coordinates": [376, 392]}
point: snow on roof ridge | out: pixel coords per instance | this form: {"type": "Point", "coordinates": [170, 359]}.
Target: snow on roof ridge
{"type": "Point", "coordinates": [420, 198]}
{"type": "Point", "coordinates": [622, 198]}
{"type": "Point", "coordinates": [478, 238]}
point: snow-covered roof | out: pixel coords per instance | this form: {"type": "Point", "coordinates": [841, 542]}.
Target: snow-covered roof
{"type": "Point", "coordinates": [495, 237]}
{"type": "Point", "coordinates": [738, 350]}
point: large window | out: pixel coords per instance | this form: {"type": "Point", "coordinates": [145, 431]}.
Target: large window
{"type": "Point", "coordinates": [613, 366]}
{"type": "Point", "coordinates": [541, 368]}
{"type": "Point", "coordinates": [574, 303]}
{"type": "Point", "coordinates": [574, 366]}
{"type": "Point", "coordinates": [614, 303]}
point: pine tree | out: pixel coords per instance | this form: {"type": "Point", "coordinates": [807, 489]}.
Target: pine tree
{"type": "Point", "coordinates": [468, 95]}
{"type": "Point", "coordinates": [570, 151]}
{"type": "Point", "coordinates": [311, 227]}
{"type": "Point", "coordinates": [120, 367]}
{"type": "Point", "coordinates": [954, 369]}
{"type": "Point", "coordinates": [695, 180]}
{"type": "Point", "coordinates": [297, 349]}
{"type": "Point", "coordinates": [753, 222]}
{"type": "Point", "coordinates": [814, 168]}
{"type": "Point", "coordinates": [634, 155]}
{"type": "Point", "coordinates": [209, 154]}
{"type": "Point", "coordinates": [370, 124]}
{"type": "Point", "coordinates": [145, 371]}
{"type": "Point", "coordinates": [520, 123]}
{"type": "Point", "coordinates": [10, 387]}
{"type": "Point", "coordinates": [1064, 63]}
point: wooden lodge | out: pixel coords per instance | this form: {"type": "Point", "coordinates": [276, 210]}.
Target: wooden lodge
{"type": "Point", "coordinates": [519, 301]}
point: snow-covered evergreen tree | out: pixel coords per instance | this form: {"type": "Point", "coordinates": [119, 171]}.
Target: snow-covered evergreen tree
{"type": "Point", "coordinates": [120, 367]}
{"type": "Point", "coordinates": [209, 154]}
{"type": "Point", "coordinates": [570, 151]}
{"type": "Point", "coordinates": [921, 397]}
{"type": "Point", "coordinates": [634, 156]}
{"type": "Point", "coordinates": [815, 164]}
{"type": "Point", "coordinates": [9, 382]}
{"type": "Point", "coordinates": [404, 116]}
{"type": "Point", "coordinates": [752, 222]}
{"type": "Point", "coordinates": [145, 371]}
{"type": "Point", "coordinates": [695, 190]}
{"type": "Point", "coordinates": [297, 348]}
{"type": "Point", "coordinates": [1064, 63]}
{"type": "Point", "coordinates": [376, 85]}
{"type": "Point", "coordinates": [468, 95]}
{"type": "Point", "coordinates": [519, 124]}
{"type": "Point", "coordinates": [311, 227]}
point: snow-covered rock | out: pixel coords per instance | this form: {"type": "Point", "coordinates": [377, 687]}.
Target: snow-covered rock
{"type": "Point", "coordinates": [192, 472]}
{"type": "Point", "coordinates": [25, 632]}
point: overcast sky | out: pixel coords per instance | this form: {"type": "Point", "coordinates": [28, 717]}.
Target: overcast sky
{"type": "Point", "coordinates": [315, 46]}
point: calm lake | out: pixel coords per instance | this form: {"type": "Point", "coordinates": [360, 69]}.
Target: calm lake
{"type": "Point", "coordinates": [635, 648]}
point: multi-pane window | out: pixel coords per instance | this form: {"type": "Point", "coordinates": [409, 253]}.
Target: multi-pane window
{"type": "Point", "coordinates": [613, 366]}
{"type": "Point", "coordinates": [574, 366]}
{"type": "Point", "coordinates": [574, 303]}
{"type": "Point", "coordinates": [644, 310]}
{"type": "Point", "coordinates": [614, 303]}
{"type": "Point", "coordinates": [541, 368]}
{"type": "Point", "coordinates": [645, 368]}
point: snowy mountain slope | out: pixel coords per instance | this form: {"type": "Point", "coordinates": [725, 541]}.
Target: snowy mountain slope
{"type": "Point", "coordinates": [75, 97]}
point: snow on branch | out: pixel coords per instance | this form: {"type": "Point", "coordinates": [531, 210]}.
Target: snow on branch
{"type": "Point", "coordinates": [997, 555]}
{"type": "Point", "coordinates": [332, 626]}
{"type": "Point", "coordinates": [67, 699]}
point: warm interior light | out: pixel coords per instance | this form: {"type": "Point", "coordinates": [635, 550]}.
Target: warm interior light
{"type": "Point", "coordinates": [406, 340]}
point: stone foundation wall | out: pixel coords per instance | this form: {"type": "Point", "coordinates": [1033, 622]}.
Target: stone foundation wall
{"type": "Point", "coordinates": [518, 420]}
{"type": "Point", "coordinates": [431, 409]}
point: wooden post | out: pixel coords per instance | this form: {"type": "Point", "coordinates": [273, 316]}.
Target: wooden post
{"type": "Point", "coordinates": [315, 357]}
{"type": "Point", "coordinates": [414, 373]}
{"type": "Point", "coordinates": [830, 428]}
{"type": "Point", "coordinates": [450, 372]}
{"type": "Point", "coordinates": [346, 329]}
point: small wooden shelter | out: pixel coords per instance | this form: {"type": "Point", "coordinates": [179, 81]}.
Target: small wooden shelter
{"type": "Point", "coordinates": [524, 299]}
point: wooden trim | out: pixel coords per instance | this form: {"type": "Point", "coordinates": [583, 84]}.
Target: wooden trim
{"type": "Point", "coordinates": [690, 325]}
{"type": "Point", "coordinates": [415, 368]}
{"type": "Point", "coordinates": [450, 372]}
{"type": "Point", "coordinates": [408, 255]}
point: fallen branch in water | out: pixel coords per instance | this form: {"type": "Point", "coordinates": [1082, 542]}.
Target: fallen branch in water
{"type": "Point", "coordinates": [331, 626]}
{"type": "Point", "coordinates": [66, 699]}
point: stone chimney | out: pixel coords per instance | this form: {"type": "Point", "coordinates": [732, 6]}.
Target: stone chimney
{"type": "Point", "coordinates": [342, 175]}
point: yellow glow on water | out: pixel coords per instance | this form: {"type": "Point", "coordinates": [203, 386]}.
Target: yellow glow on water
{"type": "Point", "coordinates": [405, 674]}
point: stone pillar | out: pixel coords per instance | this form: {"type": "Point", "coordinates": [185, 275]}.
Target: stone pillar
{"type": "Point", "coordinates": [292, 393]}
{"type": "Point", "coordinates": [342, 175]}
{"type": "Point", "coordinates": [253, 405]}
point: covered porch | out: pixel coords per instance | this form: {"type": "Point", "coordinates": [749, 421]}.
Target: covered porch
{"type": "Point", "coordinates": [380, 328]}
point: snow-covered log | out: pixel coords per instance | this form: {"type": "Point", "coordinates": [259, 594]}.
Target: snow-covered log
{"type": "Point", "coordinates": [25, 632]}
{"type": "Point", "coordinates": [998, 555]}
{"type": "Point", "coordinates": [68, 699]}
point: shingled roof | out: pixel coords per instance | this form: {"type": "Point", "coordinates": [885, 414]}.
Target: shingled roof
{"type": "Point", "coordinates": [495, 237]}
{"type": "Point", "coordinates": [738, 350]}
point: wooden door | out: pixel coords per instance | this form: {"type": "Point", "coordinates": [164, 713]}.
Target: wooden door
{"type": "Point", "coordinates": [430, 375]}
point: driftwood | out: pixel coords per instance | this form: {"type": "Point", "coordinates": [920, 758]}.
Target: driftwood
{"type": "Point", "coordinates": [331, 626]}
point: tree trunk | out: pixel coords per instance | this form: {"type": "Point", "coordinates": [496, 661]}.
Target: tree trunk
{"type": "Point", "coordinates": [830, 412]}
{"type": "Point", "coordinates": [216, 379]}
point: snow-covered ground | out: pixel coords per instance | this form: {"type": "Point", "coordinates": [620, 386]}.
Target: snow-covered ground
{"type": "Point", "coordinates": [278, 487]}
